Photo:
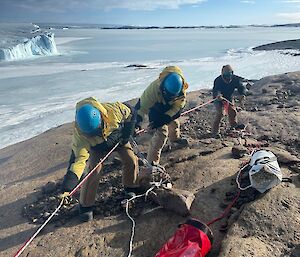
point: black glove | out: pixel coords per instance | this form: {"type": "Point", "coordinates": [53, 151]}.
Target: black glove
{"type": "Point", "coordinates": [70, 182]}
{"type": "Point", "coordinates": [129, 126]}
{"type": "Point", "coordinates": [163, 120]}
{"type": "Point", "coordinates": [127, 131]}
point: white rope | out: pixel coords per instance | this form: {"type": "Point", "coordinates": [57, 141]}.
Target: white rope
{"type": "Point", "coordinates": [237, 180]}
{"type": "Point", "coordinates": [39, 230]}
{"type": "Point", "coordinates": [156, 185]}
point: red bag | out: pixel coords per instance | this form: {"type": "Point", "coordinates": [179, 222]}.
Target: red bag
{"type": "Point", "coordinates": [192, 239]}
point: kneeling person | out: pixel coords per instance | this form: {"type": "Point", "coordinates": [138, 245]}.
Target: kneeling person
{"type": "Point", "coordinates": [163, 102]}
{"type": "Point", "coordinates": [98, 128]}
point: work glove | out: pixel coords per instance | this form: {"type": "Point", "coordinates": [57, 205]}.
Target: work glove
{"type": "Point", "coordinates": [69, 183]}
{"type": "Point", "coordinates": [138, 125]}
{"type": "Point", "coordinates": [127, 131]}
{"type": "Point", "coordinates": [219, 97]}
{"type": "Point", "coordinates": [160, 121]}
{"type": "Point", "coordinates": [65, 197]}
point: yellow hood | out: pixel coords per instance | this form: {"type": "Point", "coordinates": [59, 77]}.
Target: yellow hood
{"type": "Point", "coordinates": [111, 113]}
{"type": "Point", "coordinates": [170, 69]}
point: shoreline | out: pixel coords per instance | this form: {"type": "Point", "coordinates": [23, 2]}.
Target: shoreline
{"type": "Point", "coordinates": [280, 45]}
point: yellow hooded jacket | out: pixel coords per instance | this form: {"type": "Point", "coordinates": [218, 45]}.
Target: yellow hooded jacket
{"type": "Point", "coordinates": [112, 114]}
{"type": "Point", "coordinates": [153, 95]}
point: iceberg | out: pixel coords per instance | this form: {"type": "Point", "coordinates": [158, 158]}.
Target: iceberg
{"type": "Point", "coordinates": [28, 45]}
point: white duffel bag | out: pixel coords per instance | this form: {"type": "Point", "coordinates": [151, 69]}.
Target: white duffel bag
{"type": "Point", "coordinates": [264, 171]}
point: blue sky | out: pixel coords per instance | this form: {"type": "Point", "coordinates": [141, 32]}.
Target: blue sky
{"type": "Point", "coordinates": [152, 12]}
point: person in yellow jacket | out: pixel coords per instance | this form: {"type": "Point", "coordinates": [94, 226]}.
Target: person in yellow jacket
{"type": "Point", "coordinates": [163, 101]}
{"type": "Point", "coordinates": [98, 128]}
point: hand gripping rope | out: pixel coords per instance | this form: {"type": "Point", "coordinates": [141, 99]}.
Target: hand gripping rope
{"type": "Point", "coordinates": [25, 245]}
{"type": "Point", "coordinates": [61, 203]}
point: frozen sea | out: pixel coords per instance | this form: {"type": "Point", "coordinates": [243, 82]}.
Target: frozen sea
{"type": "Point", "coordinates": [40, 93]}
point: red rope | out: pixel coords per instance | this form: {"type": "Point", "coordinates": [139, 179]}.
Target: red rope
{"type": "Point", "coordinates": [186, 112]}
{"type": "Point", "coordinates": [226, 211]}
{"type": "Point", "coordinates": [197, 107]}
{"type": "Point", "coordinates": [228, 208]}
{"type": "Point", "coordinates": [92, 171]}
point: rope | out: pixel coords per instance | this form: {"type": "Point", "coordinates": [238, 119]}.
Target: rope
{"type": "Point", "coordinates": [92, 171]}
{"type": "Point", "coordinates": [227, 209]}
{"type": "Point", "coordinates": [132, 219]}
{"type": "Point", "coordinates": [159, 169]}
{"type": "Point", "coordinates": [198, 107]}
{"type": "Point", "coordinates": [62, 202]}
{"type": "Point", "coordinates": [184, 113]}
{"type": "Point", "coordinates": [39, 230]}
{"type": "Point", "coordinates": [19, 252]}
{"type": "Point", "coordinates": [238, 182]}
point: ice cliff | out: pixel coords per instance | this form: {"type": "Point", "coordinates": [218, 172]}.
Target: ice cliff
{"type": "Point", "coordinates": [18, 43]}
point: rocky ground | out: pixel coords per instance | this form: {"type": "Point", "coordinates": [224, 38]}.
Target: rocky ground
{"type": "Point", "coordinates": [282, 45]}
{"type": "Point", "coordinates": [258, 225]}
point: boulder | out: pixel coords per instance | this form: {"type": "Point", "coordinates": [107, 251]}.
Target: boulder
{"type": "Point", "coordinates": [283, 156]}
{"type": "Point", "coordinates": [175, 200]}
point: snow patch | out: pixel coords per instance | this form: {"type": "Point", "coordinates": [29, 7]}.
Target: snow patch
{"type": "Point", "coordinates": [41, 45]}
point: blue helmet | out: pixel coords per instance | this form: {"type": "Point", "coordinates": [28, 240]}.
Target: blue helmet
{"type": "Point", "coordinates": [88, 118]}
{"type": "Point", "coordinates": [172, 84]}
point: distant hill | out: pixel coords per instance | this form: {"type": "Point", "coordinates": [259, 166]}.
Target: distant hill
{"type": "Point", "coordinates": [117, 26]}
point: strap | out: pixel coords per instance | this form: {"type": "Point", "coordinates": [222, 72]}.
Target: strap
{"type": "Point", "coordinates": [265, 160]}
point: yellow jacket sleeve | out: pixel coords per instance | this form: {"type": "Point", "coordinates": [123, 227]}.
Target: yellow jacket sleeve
{"type": "Point", "coordinates": [149, 98]}
{"type": "Point", "coordinates": [80, 148]}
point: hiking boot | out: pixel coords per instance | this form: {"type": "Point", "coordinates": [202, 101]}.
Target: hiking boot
{"type": "Point", "coordinates": [85, 213]}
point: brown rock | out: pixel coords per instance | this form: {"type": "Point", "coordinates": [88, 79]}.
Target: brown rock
{"type": "Point", "coordinates": [176, 200]}
{"type": "Point", "coordinates": [283, 156]}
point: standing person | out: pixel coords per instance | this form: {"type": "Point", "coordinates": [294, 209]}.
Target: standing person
{"type": "Point", "coordinates": [163, 101]}
{"type": "Point", "coordinates": [224, 87]}
{"type": "Point", "coordinates": [98, 128]}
